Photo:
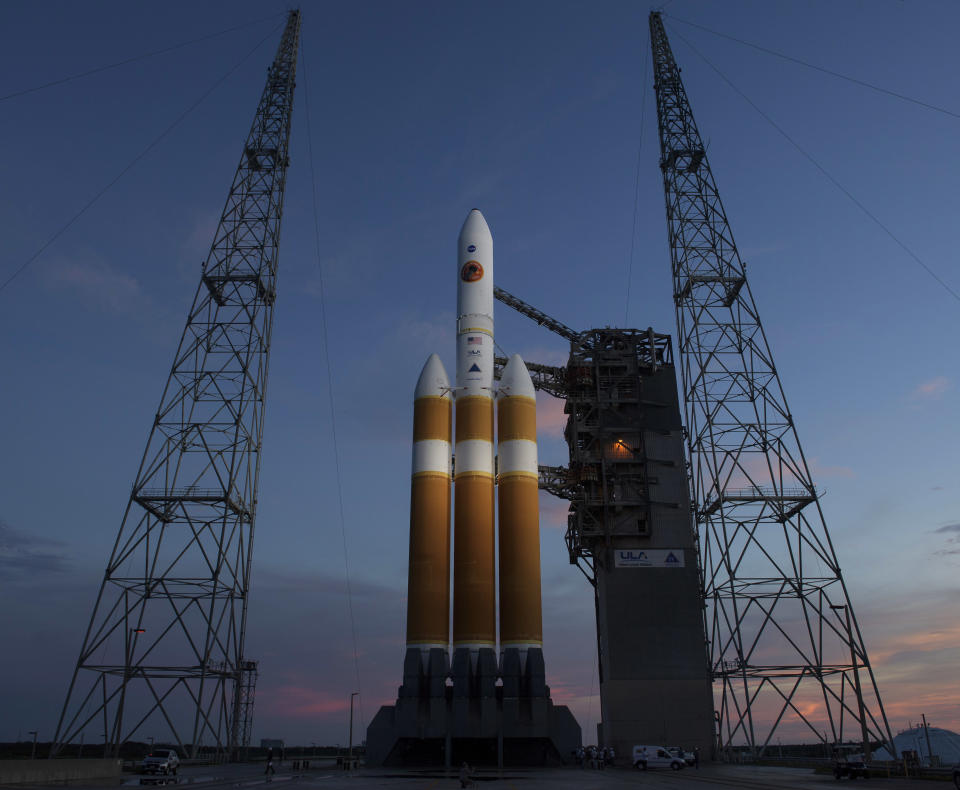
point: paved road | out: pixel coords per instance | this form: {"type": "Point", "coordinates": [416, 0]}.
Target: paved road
{"type": "Point", "coordinates": [326, 777]}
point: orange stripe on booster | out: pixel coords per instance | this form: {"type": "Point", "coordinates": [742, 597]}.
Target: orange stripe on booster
{"type": "Point", "coordinates": [475, 419]}
{"type": "Point", "coordinates": [428, 581]}
{"type": "Point", "coordinates": [432, 418]}
{"type": "Point", "coordinates": [517, 419]}
{"type": "Point", "coordinates": [521, 619]}
{"type": "Point", "coordinates": [474, 594]}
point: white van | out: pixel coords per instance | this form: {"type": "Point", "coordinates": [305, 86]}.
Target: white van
{"type": "Point", "coordinates": [655, 757]}
{"type": "Point", "coordinates": [687, 757]}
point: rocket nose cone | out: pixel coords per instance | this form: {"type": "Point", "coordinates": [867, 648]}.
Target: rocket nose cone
{"type": "Point", "coordinates": [515, 380]}
{"type": "Point", "coordinates": [433, 381]}
{"type": "Point", "coordinates": [475, 226]}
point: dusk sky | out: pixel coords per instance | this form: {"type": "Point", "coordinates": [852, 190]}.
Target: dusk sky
{"type": "Point", "coordinates": [537, 113]}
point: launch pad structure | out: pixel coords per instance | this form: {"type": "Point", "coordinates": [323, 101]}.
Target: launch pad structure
{"type": "Point", "coordinates": [630, 531]}
{"type": "Point", "coordinates": [722, 612]}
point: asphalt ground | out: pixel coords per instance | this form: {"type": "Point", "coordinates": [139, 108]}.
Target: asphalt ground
{"type": "Point", "coordinates": [326, 777]}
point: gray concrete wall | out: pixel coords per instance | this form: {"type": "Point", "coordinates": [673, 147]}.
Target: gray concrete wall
{"type": "Point", "coordinates": [655, 684]}
{"type": "Point", "coordinates": [46, 771]}
{"type": "Point", "coordinates": [655, 687]}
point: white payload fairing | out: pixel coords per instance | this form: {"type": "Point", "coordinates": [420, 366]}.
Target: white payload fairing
{"type": "Point", "coordinates": [474, 556]}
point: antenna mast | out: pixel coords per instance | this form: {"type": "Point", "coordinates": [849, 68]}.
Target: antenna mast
{"type": "Point", "coordinates": [167, 631]}
{"type": "Point", "coordinates": [785, 646]}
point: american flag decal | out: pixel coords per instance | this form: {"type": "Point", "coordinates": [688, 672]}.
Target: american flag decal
{"type": "Point", "coordinates": [475, 340]}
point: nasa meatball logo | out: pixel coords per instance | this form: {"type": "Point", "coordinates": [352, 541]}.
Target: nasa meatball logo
{"type": "Point", "coordinates": [471, 272]}
{"type": "Point", "coordinates": [472, 248]}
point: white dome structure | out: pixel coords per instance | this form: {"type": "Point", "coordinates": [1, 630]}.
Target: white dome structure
{"type": "Point", "coordinates": [943, 744]}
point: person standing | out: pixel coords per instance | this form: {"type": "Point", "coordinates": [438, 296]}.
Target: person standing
{"type": "Point", "coordinates": [465, 775]}
{"type": "Point", "coordinates": [696, 757]}
{"type": "Point", "coordinates": [270, 770]}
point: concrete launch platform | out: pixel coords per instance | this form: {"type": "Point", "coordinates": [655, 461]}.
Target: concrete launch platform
{"type": "Point", "coordinates": [474, 719]}
{"type": "Point", "coordinates": [323, 774]}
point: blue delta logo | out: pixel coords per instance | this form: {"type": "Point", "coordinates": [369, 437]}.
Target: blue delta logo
{"type": "Point", "coordinates": [474, 369]}
{"type": "Point", "coordinates": [671, 559]}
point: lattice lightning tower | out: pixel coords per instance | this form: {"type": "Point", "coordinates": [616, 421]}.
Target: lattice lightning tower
{"type": "Point", "coordinates": [784, 642]}
{"type": "Point", "coordinates": [165, 641]}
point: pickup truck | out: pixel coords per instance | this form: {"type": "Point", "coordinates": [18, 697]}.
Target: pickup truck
{"type": "Point", "coordinates": [160, 762]}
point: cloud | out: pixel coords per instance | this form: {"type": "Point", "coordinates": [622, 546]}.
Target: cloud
{"type": "Point", "coordinates": [952, 544]}
{"type": "Point", "coordinates": [426, 335]}
{"type": "Point", "coordinates": [321, 586]}
{"type": "Point", "coordinates": [551, 419]}
{"type": "Point", "coordinates": [553, 511]}
{"type": "Point", "coordinates": [947, 528]}
{"type": "Point", "coordinates": [915, 640]}
{"type": "Point", "coordinates": [819, 471]}
{"type": "Point", "coordinates": [302, 702]}
{"type": "Point", "coordinates": [762, 250]}
{"type": "Point", "coordinates": [197, 243]}
{"type": "Point", "coordinates": [98, 284]}
{"type": "Point", "coordinates": [22, 552]}
{"type": "Point", "coordinates": [932, 389]}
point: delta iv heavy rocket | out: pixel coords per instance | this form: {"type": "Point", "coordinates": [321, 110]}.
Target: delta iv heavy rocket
{"type": "Point", "coordinates": [474, 569]}
{"type": "Point", "coordinates": [430, 720]}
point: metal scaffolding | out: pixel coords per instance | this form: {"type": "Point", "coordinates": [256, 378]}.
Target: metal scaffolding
{"type": "Point", "coordinates": [243, 713]}
{"type": "Point", "coordinates": [165, 640]}
{"type": "Point", "coordinates": [785, 645]}
{"type": "Point", "coordinates": [608, 479]}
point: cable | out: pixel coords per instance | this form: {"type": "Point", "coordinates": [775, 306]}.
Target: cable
{"type": "Point", "coordinates": [827, 175]}
{"type": "Point", "coordinates": [135, 58]}
{"type": "Point", "coordinates": [90, 203]}
{"type": "Point", "coordinates": [636, 195]}
{"type": "Point", "coordinates": [593, 678]}
{"type": "Point", "coordinates": [326, 354]}
{"type": "Point", "coordinates": [815, 67]}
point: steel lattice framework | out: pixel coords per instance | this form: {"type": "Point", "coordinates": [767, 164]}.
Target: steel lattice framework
{"type": "Point", "coordinates": [784, 642]}
{"type": "Point", "coordinates": [165, 640]}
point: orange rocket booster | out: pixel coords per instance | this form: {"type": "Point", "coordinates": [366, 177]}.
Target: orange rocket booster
{"type": "Point", "coordinates": [428, 579]}
{"type": "Point", "coordinates": [519, 523]}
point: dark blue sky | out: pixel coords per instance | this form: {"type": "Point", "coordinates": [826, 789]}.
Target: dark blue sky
{"type": "Point", "coordinates": [534, 112]}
